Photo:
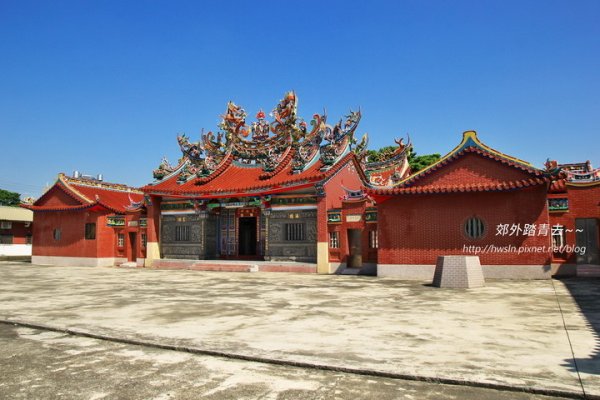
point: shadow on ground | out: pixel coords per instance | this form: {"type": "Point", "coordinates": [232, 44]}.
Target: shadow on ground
{"type": "Point", "coordinates": [586, 293]}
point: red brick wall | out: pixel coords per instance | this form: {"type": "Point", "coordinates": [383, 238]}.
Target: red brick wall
{"type": "Point", "coordinates": [584, 202]}
{"type": "Point", "coordinates": [473, 168]}
{"type": "Point", "coordinates": [72, 242]}
{"type": "Point", "coordinates": [415, 229]}
{"type": "Point", "coordinates": [105, 236]}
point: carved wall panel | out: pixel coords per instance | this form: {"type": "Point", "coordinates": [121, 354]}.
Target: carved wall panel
{"type": "Point", "coordinates": [292, 250]}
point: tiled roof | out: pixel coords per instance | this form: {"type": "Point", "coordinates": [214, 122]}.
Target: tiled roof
{"type": "Point", "coordinates": [470, 145]}
{"type": "Point", "coordinates": [494, 187]}
{"type": "Point", "coordinates": [558, 186]}
{"type": "Point", "coordinates": [61, 208]}
{"type": "Point", "coordinates": [92, 194]}
{"type": "Point", "coordinates": [237, 179]}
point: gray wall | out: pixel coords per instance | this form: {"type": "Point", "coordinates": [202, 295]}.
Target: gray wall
{"type": "Point", "coordinates": [193, 249]}
{"type": "Point", "coordinates": [279, 249]}
{"type": "Point", "coordinates": [203, 237]}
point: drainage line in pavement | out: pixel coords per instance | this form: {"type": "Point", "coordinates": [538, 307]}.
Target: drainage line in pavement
{"type": "Point", "coordinates": [301, 364]}
{"type": "Point", "coordinates": [569, 339]}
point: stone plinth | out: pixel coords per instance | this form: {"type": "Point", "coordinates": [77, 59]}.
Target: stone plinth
{"type": "Point", "coordinates": [458, 272]}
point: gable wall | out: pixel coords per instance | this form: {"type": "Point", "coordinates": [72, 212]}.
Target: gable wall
{"type": "Point", "coordinates": [57, 197]}
{"type": "Point", "coordinates": [472, 169]}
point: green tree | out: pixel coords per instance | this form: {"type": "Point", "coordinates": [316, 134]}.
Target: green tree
{"type": "Point", "coordinates": [381, 154]}
{"type": "Point", "coordinates": [9, 198]}
{"type": "Point", "coordinates": [415, 161]}
{"type": "Point", "coordinates": [418, 163]}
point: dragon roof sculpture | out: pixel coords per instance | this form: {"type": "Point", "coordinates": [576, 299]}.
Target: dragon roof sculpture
{"type": "Point", "coordinates": [271, 146]}
{"type": "Point", "coordinates": [392, 169]}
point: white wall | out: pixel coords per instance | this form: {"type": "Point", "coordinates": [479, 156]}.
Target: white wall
{"type": "Point", "coordinates": [15, 250]}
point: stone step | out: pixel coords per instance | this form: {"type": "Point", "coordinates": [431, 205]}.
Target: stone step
{"type": "Point", "coordinates": [235, 266]}
{"type": "Point", "coordinates": [299, 269]}
{"type": "Point", "coordinates": [203, 266]}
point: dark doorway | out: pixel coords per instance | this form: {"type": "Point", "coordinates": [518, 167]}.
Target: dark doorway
{"type": "Point", "coordinates": [132, 256]}
{"type": "Point", "coordinates": [586, 233]}
{"type": "Point", "coordinates": [354, 245]}
{"type": "Point", "coordinates": [247, 243]}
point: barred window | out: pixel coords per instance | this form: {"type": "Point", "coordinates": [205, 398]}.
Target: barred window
{"type": "Point", "coordinates": [474, 228]}
{"type": "Point", "coordinates": [5, 224]}
{"type": "Point", "coordinates": [295, 232]}
{"type": "Point", "coordinates": [334, 240]}
{"type": "Point", "coordinates": [144, 240]}
{"type": "Point", "coordinates": [90, 231]}
{"type": "Point", "coordinates": [182, 233]}
{"type": "Point", "coordinates": [120, 240]}
{"type": "Point", "coordinates": [56, 234]}
{"type": "Point", "coordinates": [373, 240]}
{"type": "Point", "coordinates": [29, 238]}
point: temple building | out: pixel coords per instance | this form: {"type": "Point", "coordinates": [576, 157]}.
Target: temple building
{"type": "Point", "coordinates": [281, 190]}
{"type": "Point", "coordinates": [84, 221]}
{"type": "Point", "coordinates": [274, 191]}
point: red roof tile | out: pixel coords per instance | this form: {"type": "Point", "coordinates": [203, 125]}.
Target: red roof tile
{"type": "Point", "coordinates": [237, 179]}
{"type": "Point", "coordinates": [92, 194]}
{"type": "Point", "coordinates": [475, 187]}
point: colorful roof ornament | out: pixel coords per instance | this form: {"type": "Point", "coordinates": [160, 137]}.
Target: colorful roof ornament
{"type": "Point", "coordinates": [281, 148]}
{"type": "Point", "coordinates": [353, 195]}
{"type": "Point", "coordinates": [339, 138]}
{"type": "Point", "coordinates": [392, 169]}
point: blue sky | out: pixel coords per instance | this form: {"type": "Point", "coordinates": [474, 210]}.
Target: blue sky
{"type": "Point", "coordinates": [105, 86]}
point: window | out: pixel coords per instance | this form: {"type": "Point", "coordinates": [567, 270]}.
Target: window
{"type": "Point", "coordinates": [295, 232]}
{"type": "Point", "coordinates": [474, 228]}
{"type": "Point", "coordinates": [120, 240]}
{"type": "Point", "coordinates": [373, 240]}
{"type": "Point", "coordinates": [558, 238]}
{"type": "Point", "coordinates": [56, 234]}
{"type": "Point", "coordinates": [334, 240]}
{"type": "Point", "coordinates": [90, 231]}
{"type": "Point", "coordinates": [6, 239]}
{"type": "Point", "coordinates": [182, 233]}
{"type": "Point", "coordinates": [144, 240]}
{"type": "Point", "coordinates": [5, 224]}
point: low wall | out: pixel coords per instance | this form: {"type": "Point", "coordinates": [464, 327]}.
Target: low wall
{"type": "Point", "coordinates": [425, 272]}
{"type": "Point", "coordinates": [12, 250]}
{"type": "Point", "coordinates": [235, 266]}
{"type": "Point", "coordinates": [77, 261]}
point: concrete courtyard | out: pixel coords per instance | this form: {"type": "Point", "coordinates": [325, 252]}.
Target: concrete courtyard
{"type": "Point", "coordinates": [541, 336]}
